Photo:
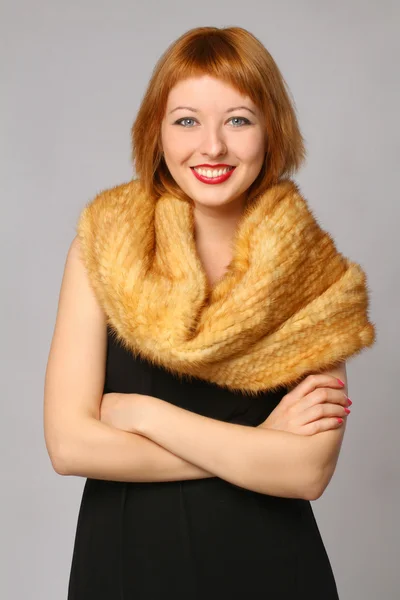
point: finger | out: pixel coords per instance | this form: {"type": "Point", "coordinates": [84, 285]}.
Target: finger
{"type": "Point", "coordinates": [323, 425]}
{"type": "Point", "coordinates": [311, 384]}
{"type": "Point", "coordinates": [316, 380]}
{"type": "Point", "coordinates": [326, 395]}
{"type": "Point", "coordinates": [323, 411]}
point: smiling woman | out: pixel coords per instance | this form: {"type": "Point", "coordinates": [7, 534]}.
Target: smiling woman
{"type": "Point", "coordinates": [233, 73]}
{"type": "Point", "coordinates": [204, 320]}
{"type": "Point", "coordinates": [213, 134]}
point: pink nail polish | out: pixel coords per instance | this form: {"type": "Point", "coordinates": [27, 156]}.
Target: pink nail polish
{"type": "Point", "coordinates": [347, 410]}
{"type": "Point", "coordinates": [349, 402]}
{"type": "Point", "coordinates": [340, 381]}
{"type": "Point", "coordinates": [340, 420]}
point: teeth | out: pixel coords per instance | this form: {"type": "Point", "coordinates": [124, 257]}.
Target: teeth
{"type": "Point", "coordinates": [211, 173]}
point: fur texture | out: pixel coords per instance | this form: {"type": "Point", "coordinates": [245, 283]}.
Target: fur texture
{"type": "Point", "coordinates": [289, 304]}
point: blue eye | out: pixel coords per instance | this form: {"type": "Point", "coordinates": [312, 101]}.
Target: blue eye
{"type": "Point", "coordinates": [246, 121]}
{"type": "Point", "coordinates": [179, 122]}
{"type": "Point", "coordinates": [243, 119]}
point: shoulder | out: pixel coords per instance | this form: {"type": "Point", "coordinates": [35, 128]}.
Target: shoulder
{"type": "Point", "coordinates": [109, 206]}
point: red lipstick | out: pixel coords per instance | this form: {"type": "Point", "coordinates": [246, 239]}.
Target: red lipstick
{"type": "Point", "coordinates": [213, 180]}
{"type": "Point", "coordinates": [218, 166]}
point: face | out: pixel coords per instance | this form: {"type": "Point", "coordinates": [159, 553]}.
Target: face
{"type": "Point", "coordinates": [218, 127]}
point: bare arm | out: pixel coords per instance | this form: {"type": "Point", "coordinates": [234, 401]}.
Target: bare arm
{"type": "Point", "coordinates": [325, 446]}
{"type": "Point", "coordinates": [74, 386]}
{"type": "Point", "coordinates": [79, 444]}
{"type": "Point", "coordinates": [267, 461]}
{"type": "Point", "coordinates": [102, 452]}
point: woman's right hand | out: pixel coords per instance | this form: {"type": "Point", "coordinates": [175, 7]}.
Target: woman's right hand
{"type": "Point", "coordinates": [314, 405]}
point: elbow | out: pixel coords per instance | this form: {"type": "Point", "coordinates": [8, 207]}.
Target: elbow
{"type": "Point", "coordinates": [60, 466]}
{"type": "Point", "coordinates": [64, 447]}
{"type": "Point", "coordinates": [58, 459]}
{"type": "Point", "coordinates": [314, 492]}
{"type": "Point", "coordinates": [318, 485]}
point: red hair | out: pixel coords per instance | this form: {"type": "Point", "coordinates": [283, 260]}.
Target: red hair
{"type": "Point", "coordinates": [238, 58]}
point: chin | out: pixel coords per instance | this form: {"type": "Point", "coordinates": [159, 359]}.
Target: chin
{"type": "Point", "coordinates": [214, 200]}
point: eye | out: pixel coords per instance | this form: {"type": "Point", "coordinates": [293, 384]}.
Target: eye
{"type": "Point", "coordinates": [246, 121]}
{"type": "Point", "coordinates": [181, 121]}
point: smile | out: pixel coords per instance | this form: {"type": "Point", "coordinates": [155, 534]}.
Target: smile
{"type": "Point", "coordinates": [212, 175]}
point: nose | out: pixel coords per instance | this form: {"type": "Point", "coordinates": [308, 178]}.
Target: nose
{"type": "Point", "coordinates": [213, 143]}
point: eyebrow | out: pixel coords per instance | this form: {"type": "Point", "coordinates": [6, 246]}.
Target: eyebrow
{"type": "Point", "coordinates": [228, 111]}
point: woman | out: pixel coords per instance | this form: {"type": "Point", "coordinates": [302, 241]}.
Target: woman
{"type": "Point", "coordinates": [197, 373]}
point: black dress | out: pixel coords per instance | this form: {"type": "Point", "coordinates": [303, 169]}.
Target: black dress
{"type": "Point", "coordinates": [193, 539]}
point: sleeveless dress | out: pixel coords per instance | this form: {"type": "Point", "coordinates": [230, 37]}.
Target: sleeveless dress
{"type": "Point", "coordinates": [193, 538]}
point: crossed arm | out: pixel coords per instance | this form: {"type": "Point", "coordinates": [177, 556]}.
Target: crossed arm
{"type": "Point", "coordinates": [174, 443]}
{"type": "Point", "coordinates": [268, 461]}
{"type": "Point", "coordinates": [171, 443]}
{"type": "Point", "coordinates": [190, 446]}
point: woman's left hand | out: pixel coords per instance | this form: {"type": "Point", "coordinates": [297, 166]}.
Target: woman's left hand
{"type": "Point", "coordinates": [123, 411]}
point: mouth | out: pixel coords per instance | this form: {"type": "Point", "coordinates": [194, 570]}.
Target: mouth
{"type": "Point", "coordinates": [212, 175]}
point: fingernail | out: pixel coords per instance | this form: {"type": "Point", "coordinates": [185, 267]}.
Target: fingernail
{"type": "Point", "coordinates": [347, 410]}
{"type": "Point", "coordinates": [340, 420]}
{"type": "Point", "coordinates": [349, 402]}
{"type": "Point", "coordinates": [340, 381]}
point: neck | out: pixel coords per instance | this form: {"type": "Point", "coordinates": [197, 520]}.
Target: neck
{"type": "Point", "coordinates": [215, 226]}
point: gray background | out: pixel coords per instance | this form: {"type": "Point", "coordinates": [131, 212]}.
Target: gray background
{"type": "Point", "coordinates": [72, 77]}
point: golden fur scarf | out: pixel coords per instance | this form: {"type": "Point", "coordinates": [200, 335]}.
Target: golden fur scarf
{"type": "Point", "coordinates": [289, 303]}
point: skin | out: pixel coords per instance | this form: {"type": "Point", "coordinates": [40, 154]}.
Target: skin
{"type": "Point", "coordinates": [209, 134]}
{"type": "Point", "coordinates": [271, 460]}
{"type": "Point", "coordinates": [133, 437]}
{"type": "Point", "coordinates": [212, 136]}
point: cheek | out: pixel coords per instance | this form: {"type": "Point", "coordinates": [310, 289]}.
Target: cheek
{"type": "Point", "coordinates": [250, 148]}
{"type": "Point", "coordinates": [177, 146]}
{"type": "Point", "coordinates": [169, 140]}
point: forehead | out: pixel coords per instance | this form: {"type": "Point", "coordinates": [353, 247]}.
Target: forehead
{"type": "Point", "coordinates": [204, 92]}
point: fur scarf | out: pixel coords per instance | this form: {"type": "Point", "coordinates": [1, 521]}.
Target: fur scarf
{"type": "Point", "coordinates": [288, 305]}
